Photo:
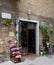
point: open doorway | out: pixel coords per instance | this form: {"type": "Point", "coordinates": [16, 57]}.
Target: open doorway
{"type": "Point", "coordinates": [29, 28]}
{"type": "Point", "coordinates": [31, 41]}
{"type": "Point", "coordinates": [28, 37]}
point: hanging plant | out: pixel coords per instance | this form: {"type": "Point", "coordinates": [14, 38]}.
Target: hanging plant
{"type": "Point", "coordinates": [7, 22]}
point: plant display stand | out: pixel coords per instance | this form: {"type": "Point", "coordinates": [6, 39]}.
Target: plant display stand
{"type": "Point", "coordinates": [15, 53]}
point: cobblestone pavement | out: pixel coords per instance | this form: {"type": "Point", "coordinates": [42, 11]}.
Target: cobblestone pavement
{"type": "Point", "coordinates": [41, 60]}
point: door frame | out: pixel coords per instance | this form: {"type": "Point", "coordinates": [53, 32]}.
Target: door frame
{"type": "Point", "coordinates": [37, 32]}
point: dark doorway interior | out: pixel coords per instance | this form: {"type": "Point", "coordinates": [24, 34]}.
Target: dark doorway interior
{"type": "Point", "coordinates": [27, 36]}
{"type": "Point", "coordinates": [31, 40]}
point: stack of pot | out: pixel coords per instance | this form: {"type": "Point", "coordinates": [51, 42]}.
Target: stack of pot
{"type": "Point", "coordinates": [15, 53]}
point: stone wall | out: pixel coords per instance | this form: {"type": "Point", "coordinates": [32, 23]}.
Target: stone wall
{"type": "Point", "coordinates": [7, 6]}
{"type": "Point", "coordinates": [38, 7]}
{"type": "Point", "coordinates": [41, 10]}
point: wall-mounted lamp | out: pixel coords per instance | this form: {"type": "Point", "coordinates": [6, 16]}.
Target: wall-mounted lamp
{"type": "Point", "coordinates": [29, 13]}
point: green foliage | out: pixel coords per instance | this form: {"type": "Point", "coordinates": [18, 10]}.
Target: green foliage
{"type": "Point", "coordinates": [7, 21]}
{"type": "Point", "coordinates": [45, 33]}
{"type": "Point", "coordinates": [44, 29]}
{"type": "Point", "coordinates": [46, 39]}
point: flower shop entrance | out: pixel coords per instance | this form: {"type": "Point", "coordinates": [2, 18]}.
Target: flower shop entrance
{"type": "Point", "coordinates": [29, 36]}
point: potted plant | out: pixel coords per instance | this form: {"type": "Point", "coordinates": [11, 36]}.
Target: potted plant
{"type": "Point", "coordinates": [7, 22]}
{"type": "Point", "coordinates": [46, 36]}
{"type": "Point", "coordinates": [45, 32]}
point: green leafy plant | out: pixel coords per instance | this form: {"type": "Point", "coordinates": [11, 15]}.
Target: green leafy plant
{"type": "Point", "coordinates": [45, 33]}
{"type": "Point", "coordinates": [7, 22]}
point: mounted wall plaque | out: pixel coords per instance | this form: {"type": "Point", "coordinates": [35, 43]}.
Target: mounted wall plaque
{"type": "Point", "coordinates": [6, 15]}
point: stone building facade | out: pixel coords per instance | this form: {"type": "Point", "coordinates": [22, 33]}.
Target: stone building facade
{"type": "Point", "coordinates": [6, 6]}
{"type": "Point", "coordinates": [39, 10]}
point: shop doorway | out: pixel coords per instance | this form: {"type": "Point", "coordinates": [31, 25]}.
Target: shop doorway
{"type": "Point", "coordinates": [28, 37]}
{"type": "Point", "coordinates": [26, 27]}
{"type": "Point", "coordinates": [31, 41]}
